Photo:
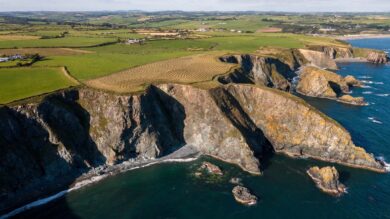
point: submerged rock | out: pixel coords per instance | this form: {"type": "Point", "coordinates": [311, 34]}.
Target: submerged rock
{"type": "Point", "coordinates": [243, 196]}
{"type": "Point", "coordinates": [236, 181]}
{"type": "Point", "coordinates": [358, 101]}
{"type": "Point", "coordinates": [211, 168]}
{"type": "Point", "coordinates": [327, 179]}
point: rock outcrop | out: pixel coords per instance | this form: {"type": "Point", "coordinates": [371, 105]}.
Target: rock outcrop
{"type": "Point", "coordinates": [327, 180]}
{"type": "Point", "coordinates": [348, 99]}
{"type": "Point", "coordinates": [46, 145]}
{"type": "Point", "coordinates": [244, 196]}
{"type": "Point", "coordinates": [316, 82]}
{"type": "Point", "coordinates": [320, 83]}
{"type": "Point", "coordinates": [377, 57]}
{"type": "Point", "coordinates": [211, 168]}
{"type": "Point", "coordinates": [352, 81]}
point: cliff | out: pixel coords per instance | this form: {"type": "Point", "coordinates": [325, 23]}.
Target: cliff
{"type": "Point", "coordinates": [319, 59]}
{"type": "Point", "coordinates": [334, 52]}
{"type": "Point", "coordinates": [320, 83]}
{"type": "Point", "coordinates": [254, 69]}
{"type": "Point", "coordinates": [46, 145]}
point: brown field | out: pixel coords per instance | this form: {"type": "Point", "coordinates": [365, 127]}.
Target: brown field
{"type": "Point", "coordinates": [185, 70]}
{"type": "Point", "coordinates": [269, 30]}
{"type": "Point", "coordinates": [18, 37]}
{"type": "Point", "coordinates": [44, 51]}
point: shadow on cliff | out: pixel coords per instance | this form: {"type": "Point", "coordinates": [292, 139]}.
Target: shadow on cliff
{"type": "Point", "coordinates": [254, 136]}
{"type": "Point", "coordinates": [160, 129]}
{"type": "Point", "coordinates": [50, 154]}
{"type": "Point", "coordinates": [29, 163]}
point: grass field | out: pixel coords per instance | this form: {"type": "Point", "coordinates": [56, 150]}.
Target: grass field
{"type": "Point", "coordinates": [190, 69]}
{"type": "Point", "coordinates": [45, 51]}
{"type": "Point", "coordinates": [19, 83]}
{"type": "Point", "coordinates": [57, 42]}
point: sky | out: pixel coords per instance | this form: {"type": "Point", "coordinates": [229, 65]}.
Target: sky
{"type": "Point", "coordinates": [199, 5]}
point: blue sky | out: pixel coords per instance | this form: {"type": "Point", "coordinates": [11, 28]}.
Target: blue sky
{"type": "Point", "coordinates": [196, 5]}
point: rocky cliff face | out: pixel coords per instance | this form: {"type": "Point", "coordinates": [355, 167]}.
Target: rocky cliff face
{"type": "Point", "coordinates": [334, 52]}
{"type": "Point", "coordinates": [267, 71]}
{"type": "Point", "coordinates": [316, 82]}
{"type": "Point", "coordinates": [45, 146]}
{"type": "Point", "coordinates": [319, 59]}
{"type": "Point", "coordinates": [377, 57]}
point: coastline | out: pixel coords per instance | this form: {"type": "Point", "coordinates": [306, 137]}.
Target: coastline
{"type": "Point", "coordinates": [363, 36]}
{"type": "Point", "coordinates": [185, 154]}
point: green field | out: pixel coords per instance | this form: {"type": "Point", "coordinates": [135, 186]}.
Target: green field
{"type": "Point", "coordinates": [19, 83]}
{"type": "Point", "coordinates": [57, 42]}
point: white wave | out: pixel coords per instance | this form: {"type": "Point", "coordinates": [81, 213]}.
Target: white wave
{"type": "Point", "coordinates": [372, 82]}
{"type": "Point", "coordinates": [364, 77]}
{"type": "Point", "coordinates": [366, 86]}
{"type": "Point", "coordinates": [387, 165]}
{"type": "Point", "coordinates": [367, 92]}
{"type": "Point", "coordinates": [382, 95]}
{"type": "Point", "coordinates": [86, 182]}
{"type": "Point", "coordinates": [374, 120]}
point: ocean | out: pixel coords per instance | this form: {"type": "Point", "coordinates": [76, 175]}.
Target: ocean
{"type": "Point", "coordinates": [171, 190]}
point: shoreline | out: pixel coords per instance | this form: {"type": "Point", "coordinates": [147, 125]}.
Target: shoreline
{"type": "Point", "coordinates": [362, 36]}
{"type": "Point", "coordinates": [185, 154]}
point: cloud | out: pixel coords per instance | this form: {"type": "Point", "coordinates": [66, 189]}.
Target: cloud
{"type": "Point", "coordinates": [195, 5]}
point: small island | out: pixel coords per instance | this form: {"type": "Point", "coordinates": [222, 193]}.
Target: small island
{"type": "Point", "coordinates": [327, 180]}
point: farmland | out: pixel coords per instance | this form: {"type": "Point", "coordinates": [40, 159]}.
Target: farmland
{"type": "Point", "coordinates": [93, 48]}
{"type": "Point", "coordinates": [190, 69]}
{"type": "Point", "coordinates": [19, 83]}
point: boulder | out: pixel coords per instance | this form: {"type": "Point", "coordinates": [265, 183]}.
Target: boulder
{"type": "Point", "coordinates": [243, 196]}
{"type": "Point", "coordinates": [327, 180]}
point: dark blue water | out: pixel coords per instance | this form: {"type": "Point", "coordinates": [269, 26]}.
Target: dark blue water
{"type": "Point", "coordinates": [285, 191]}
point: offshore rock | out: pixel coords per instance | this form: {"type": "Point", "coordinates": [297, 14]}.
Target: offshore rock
{"type": "Point", "coordinates": [327, 180]}
{"type": "Point", "coordinates": [243, 196]}
{"type": "Point", "coordinates": [211, 168]}
{"type": "Point", "coordinates": [358, 101]}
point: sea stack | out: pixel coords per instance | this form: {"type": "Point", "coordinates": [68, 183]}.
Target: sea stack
{"type": "Point", "coordinates": [327, 180]}
{"type": "Point", "coordinates": [243, 196]}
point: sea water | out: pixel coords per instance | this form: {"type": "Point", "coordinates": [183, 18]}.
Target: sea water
{"type": "Point", "coordinates": [285, 191]}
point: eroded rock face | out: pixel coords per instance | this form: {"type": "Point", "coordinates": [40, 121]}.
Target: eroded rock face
{"type": "Point", "coordinates": [53, 141]}
{"type": "Point", "coordinates": [334, 52]}
{"type": "Point", "coordinates": [297, 129]}
{"type": "Point", "coordinates": [377, 57]}
{"type": "Point", "coordinates": [327, 180]}
{"type": "Point", "coordinates": [319, 59]}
